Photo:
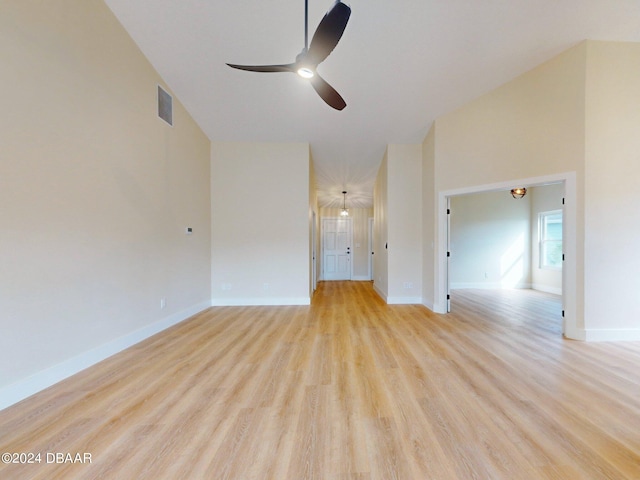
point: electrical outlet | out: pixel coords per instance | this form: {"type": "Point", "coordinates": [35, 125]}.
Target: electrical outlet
{"type": "Point", "coordinates": [163, 303]}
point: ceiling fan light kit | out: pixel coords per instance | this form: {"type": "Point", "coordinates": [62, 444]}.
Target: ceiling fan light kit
{"type": "Point", "coordinates": [324, 40]}
{"type": "Point", "coordinates": [305, 72]}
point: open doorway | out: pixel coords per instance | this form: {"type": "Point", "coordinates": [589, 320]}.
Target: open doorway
{"type": "Point", "coordinates": [501, 242]}
{"type": "Point", "coordinates": [500, 247]}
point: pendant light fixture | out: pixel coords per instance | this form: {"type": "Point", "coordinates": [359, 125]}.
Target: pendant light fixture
{"type": "Point", "coordinates": [518, 192]}
{"type": "Point", "coordinates": [344, 212]}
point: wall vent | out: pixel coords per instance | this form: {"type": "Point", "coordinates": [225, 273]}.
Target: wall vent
{"type": "Point", "coordinates": [165, 106]}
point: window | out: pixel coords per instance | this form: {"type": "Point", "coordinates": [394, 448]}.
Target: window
{"type": "Point", "coordinates": [550, 237]}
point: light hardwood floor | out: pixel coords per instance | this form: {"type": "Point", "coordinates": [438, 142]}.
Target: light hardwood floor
{"type": "Point", "coordinates": [349, 388]}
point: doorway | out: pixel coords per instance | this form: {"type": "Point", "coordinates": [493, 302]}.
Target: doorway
{"type": "Point", "coordinates": [446, 277]}
{"type": "Point", "coordinates": [337, 237]}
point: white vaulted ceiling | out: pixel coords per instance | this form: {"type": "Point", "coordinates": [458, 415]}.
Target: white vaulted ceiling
{"type": "Point", "coordinates": [399, 65]}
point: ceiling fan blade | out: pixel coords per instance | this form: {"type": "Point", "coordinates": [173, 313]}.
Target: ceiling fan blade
{"type": "Point", "coordinates": [327, 92]}
{"type": "Point", "coordinates": [289, 67]}
{"type": "Point", "coordinates": [329, 32]}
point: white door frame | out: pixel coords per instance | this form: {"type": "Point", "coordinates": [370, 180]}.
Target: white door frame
{"type": "Point", "coordinates": [448, 247]}
{"type": "Point", "coordinates": [569, 245]}
{"type": "Point", "coordinates": [314, 278]}
{"type": "Point", "coordinates": [370, 244]}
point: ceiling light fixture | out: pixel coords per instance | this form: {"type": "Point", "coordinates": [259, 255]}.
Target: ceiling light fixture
{"type": "Point", "coordinates": [305, 72]}
{"type": "Point", "coordinates": [518, 192]}
{"type": "Point", "coordinates": [344, 212]}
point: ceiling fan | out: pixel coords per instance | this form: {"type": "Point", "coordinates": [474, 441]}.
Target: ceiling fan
{"type": "Point", "coordinates": [324, 40]}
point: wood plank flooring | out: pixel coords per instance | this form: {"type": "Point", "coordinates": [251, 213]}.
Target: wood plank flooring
{"type": "Point", "coordinates": [348, 388]}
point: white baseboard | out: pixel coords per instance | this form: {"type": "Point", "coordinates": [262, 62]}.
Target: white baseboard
{"type": "Point", "coordinates": [475, 285]}
{"type": "Point", "coordinates": [546, 289]}
{"type": "Point", "coordinates": [612, 335]}
{"type": "Point", "coordinates": [575, 333]}
{"type": "Point", "coordinates": [39, 381]}
{"type": "Point", "coordinates": [439, 308]}
{"type": "Point", "coordinates": [404, 300]}
{"type": "Point", "coordinates": [397, 300]}
{"type": "Point", "coordinates": [486, 285]}
{"type": "Point", "coordinates": [260, 301]}
{"type": "Point", "coordinates": [355, 278]}
{"type": "Point", "coordinates": [361, 278]}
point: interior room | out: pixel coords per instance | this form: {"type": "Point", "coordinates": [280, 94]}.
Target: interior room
{"type": "Point", "coordinates": [504, 240]}
{"type": "Point", "coordinates": [163, 208]}
{"type": "Point", "coordinates": [496, 240]}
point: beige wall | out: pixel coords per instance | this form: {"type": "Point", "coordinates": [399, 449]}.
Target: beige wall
{"type": "Point", "coordinates": [529, 127]}
{"type": "Point", "coordinates": [397, 225]}
{"type": "Point", "coordinates": [96, 193]}
{"type": "Point", "coordinates": [612, 212]}
{"type": "Point", "coordinates": [429, 216]}
{"type": "Point", "coordinates": [260, 223]}
{"type": "Point", "coordinates": [490, 241]}
{"type": "Point", "coordinates": [404, 189]}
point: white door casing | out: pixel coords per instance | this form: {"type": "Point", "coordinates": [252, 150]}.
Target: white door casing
{"type": "Point", "coordinates": [314, 277]}
{"type": "Point", "coordinates": [370, 243]}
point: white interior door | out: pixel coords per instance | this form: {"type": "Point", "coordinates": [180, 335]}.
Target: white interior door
{"type": "Point", "coordinates": [336, 248]}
